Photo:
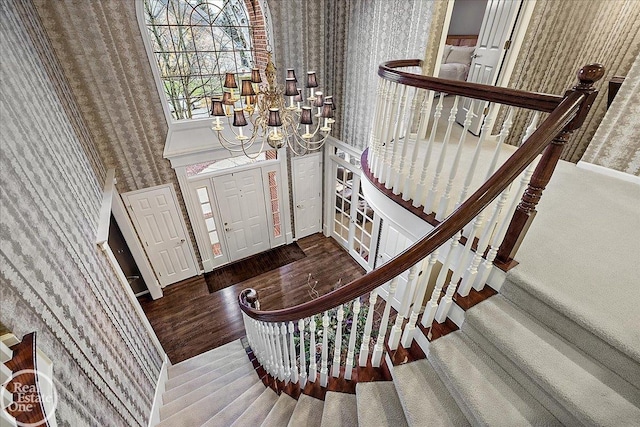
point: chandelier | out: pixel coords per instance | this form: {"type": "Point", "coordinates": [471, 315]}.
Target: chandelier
{"type": "Point", "coordinates": [277, 115]}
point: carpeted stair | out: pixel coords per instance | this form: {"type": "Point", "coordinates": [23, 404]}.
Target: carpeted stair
{"type": "Point", "coordinates": [560, 345]}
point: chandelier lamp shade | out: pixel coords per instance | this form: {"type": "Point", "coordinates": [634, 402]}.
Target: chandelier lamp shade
{"type": "Point", "coordinates": [272, 113]}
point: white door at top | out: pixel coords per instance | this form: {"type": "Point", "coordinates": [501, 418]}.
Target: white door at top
{"type": "Point", "coordinates": [161, 227]}
{"type": "Point", "coordinates": [241, 202]}
{"type": "Point", "coordinates": [307, 182]}
{"type": "Point", "coordinates": [497, 27]}
{"type": "Point", "coordinates": [392, 242]}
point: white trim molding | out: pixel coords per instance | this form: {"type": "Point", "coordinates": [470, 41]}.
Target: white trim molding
{"type": "Point", "coordinates": [154, 415]}
{"type": "Point", "coordinates": [623, 176]}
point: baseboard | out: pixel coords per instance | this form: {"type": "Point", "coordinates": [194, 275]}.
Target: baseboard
{"type": "Point", "coordinates": [623, 176]}
{"type": "Point", "coordinates": [154, 416]}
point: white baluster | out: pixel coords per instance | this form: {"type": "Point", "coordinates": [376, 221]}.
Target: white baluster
{"type": "Point", "coordinates": [348, 368]}
{"type": "Point", "coordinates": [325, 350]}
{"type": "Point", "coordinates": [274, 331]}
{"type": "Point", "coordinates": [403, 313]}
{"type": "Point", "coordinates": [387, 148]}
{"type": "Point", "coordinates": [421, 290]}
{"type": "Point", "coordinates": [380, 143]}
{"type": "Point", "coordinates": [400, 176]}
{"type": "Point", "coordinates": [377, 125]}
{"type": "Point", "coordinates": [397, 120]}
{"type": "Point", "coordinates": [501, 230]}
{"type": "Point", "coordinates": [445, 305]}
{"type": "Point", "coordinates": [313, 367]}
{"type": "Point", "coordinates": [366, 337]}
{"type": "Point", "coordinates": [265, 354]}
{"type": "Point", "coordinates": [337, 345]}
{"type": "Point", "coordinates": [382, 333]}
{"type": "Point", "coordinates": [285, 351]}
{"type": "Point", "coordinates": [421, 187]}
{"type": "Point", "coordinates": [303, 355]}
{"type": "Point", "coordinates": [486, 130]}
{"type": "Point", "coordinates": [411, 181]}
{"type": "Point", "coordinates": [444, 200]}
{"type": "Point", "coordinates": [432, 306]}
{"type": "Point", "coordinates": [502, 137]}
{"type": "Point", "coordinates": [431, 203]}
{"type": "Point", "coordinates": [293, 377]}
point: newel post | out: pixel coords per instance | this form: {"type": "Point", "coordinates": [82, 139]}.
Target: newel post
{"type": "Point", "coordinates": [526, 210]}
{"type": "Point", "coordinates": [250, 298]}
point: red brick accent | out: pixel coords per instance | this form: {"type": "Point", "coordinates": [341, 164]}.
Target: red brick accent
{"type": "Point", "coordinates": [259, 33]}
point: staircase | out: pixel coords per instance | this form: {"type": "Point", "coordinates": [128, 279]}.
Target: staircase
{"type": "Point", "coordinates": [554, 347]}
{"type": "Point", "coordinates": [503, 368]}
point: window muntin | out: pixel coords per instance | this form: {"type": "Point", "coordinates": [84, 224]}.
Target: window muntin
{"type": "Point", "coordinates": [207, 212]}
{"type": "Point", "coordinates": [195, 43]}
{"type": "Point", "coordinates": [228, 163]}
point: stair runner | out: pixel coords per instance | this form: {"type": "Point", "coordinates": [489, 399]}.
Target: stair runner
{"type": "Point", "coordinates": [503, 368]}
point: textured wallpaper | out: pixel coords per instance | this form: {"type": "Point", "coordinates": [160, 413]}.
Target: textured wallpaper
{"type": "Point", "coordinates": [53, 278]}
{"type": "Point", "coordinates": [100, 49]}
{"type": "Point", "coordinates": [562, 37]}
{"type": "Point", "coordinates": [616, 143]}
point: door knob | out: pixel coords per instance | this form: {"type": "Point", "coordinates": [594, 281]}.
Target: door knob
{"type": "Point", "coordinates": [475, 55]}
{"type": "Point", "coordinates": [227, 229]}
{"type": "Point", "coordinates": [299, 206]}
{"type": "Point", "coordinates": [182, 240]}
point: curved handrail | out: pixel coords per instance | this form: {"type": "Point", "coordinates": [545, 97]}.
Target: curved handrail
{"type": "Point", "coordinates": [514, 97]}
{"type": "Point", "coordinates": [567, 116]}
{"type": "Point", "coordinates": [468, 210]}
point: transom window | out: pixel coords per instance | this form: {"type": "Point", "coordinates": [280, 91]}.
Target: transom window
{"type": "Point", "coordinates": [195, 42]}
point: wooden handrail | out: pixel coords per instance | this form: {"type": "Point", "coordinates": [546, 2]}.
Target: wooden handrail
{"type": "Point", "coordinates": [514, 97]}
{"type": "Point", "coordinates": [570, 112]}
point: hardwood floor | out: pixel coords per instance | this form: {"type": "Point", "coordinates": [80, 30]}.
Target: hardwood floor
{"type": "Point", "coordinates": [189, 320]}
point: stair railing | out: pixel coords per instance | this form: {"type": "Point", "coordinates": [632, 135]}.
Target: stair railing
{"type": "Point", "coordinates": [326, 336]}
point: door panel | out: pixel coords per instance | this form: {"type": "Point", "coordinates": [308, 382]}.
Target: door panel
{"type": "Point", "coordinates": [498, 23]}
{"type": "Point", "coordinates": [307, 194]}
{"type": "Point", "coordinates": [241, 202]}
{"type": "Point", "coordinates": [161, 227]}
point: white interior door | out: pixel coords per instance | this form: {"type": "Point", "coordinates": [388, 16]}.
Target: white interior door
{"type": "Point", "coordinates": [307, 194]}
{"type": "Point", "coordinates": [392, 242]}
{"type": "Point", "coordinates": [497, 26]}
{"type": "Point", "coordinates": [161, 227]}
{"type": "Point", "coordinates": [240, 198]}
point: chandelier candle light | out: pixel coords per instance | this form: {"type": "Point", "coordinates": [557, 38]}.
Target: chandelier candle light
{"type": "Point", "coordinates": [272, 118]}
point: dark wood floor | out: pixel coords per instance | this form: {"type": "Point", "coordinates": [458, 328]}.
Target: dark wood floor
{"type": "Point", "coordinates": [189, 320]}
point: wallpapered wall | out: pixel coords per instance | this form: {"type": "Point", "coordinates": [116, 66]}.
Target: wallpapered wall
{"type": "Point", "coordinates": [616, 143]}
{"type": "Point", "coordinates": [53, 278]}
{"type": "Point", "coordinates": [565, 35]}
{"type": "Point", "coordinates": [100, 49]}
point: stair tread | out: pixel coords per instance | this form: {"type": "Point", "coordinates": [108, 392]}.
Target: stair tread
{"type": "Point", "coordinates": [558, 321]}
{"type": "Point", "coordinates": [281, 412]}
{"type": "Point", "coordinates": [232, 411]}
{"type": "Point", "coordinates": [180, 390]}
{"type": "Point", "coordinates": [234, 358]}
{"type": "Point", "coordinates": [256, 413]}
{"type": "Point", "coordinates": [308, 412]}
{"type": "Point", "coordinates": [433, 405]}
{"type": "Point", "coordinates": [485, 393]}
{"type": "Point", "coordinates": [379, 405]}
{"type": "Point", "coordinates": [230, 383]}
{"type": "Point", "coordinates": [340, 409]}
{"type": "Point", "coordinates": [204, 358]}
{"type": "Point", "coordinates": [588, 390]}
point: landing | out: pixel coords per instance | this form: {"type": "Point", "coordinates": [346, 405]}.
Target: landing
{"type": "Point", "coordinates": [582, 254]}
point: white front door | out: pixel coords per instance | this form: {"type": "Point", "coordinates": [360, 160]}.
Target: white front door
{"type": "Point", "coordinates": [161, 228]}
{"type": "Point", "coordinates": [307, 189]}
{"type": "Point", "coordinates": [392, 242]}
{"type": "Point", "coordinates": [497, 26]}
{"type": "Point", "coordinates": [241, 202]}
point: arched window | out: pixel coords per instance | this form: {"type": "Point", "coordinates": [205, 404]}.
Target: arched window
{"type": "Point", "coordinates": [195, 42]}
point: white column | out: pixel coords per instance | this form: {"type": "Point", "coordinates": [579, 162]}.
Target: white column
{"type": "Point", "coordinates": [432, 197]}
{"type": "Point", "coordinates": [382, 332]}
{"type": "Point", "coordinates": [324, 377]}
{"type": "Point", "coordinates": [348, 368]}
{"type": "Point", "coordinates": [337, 345]}
{"type": "Point", "coordinates": [313, 367]}
{"type": "Point", "coordinates": [421, 290]}
{"type": "Point", "coordinates": [420, 194]}
{"type": "Point", "coordinates": [396, 329]}
{"type": "Point", "coordinates": [410, 182]}
{"type": "Point", "coordinates": [285, 351]}
{"type": "Point", "coordinates": [292, 354]}
{"type": "Point", "coordinates": [303, 355]}
{"type": "Point", "coordinates": [366, 337]}
{"type": "Point", "coordinates": [398, 114]}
